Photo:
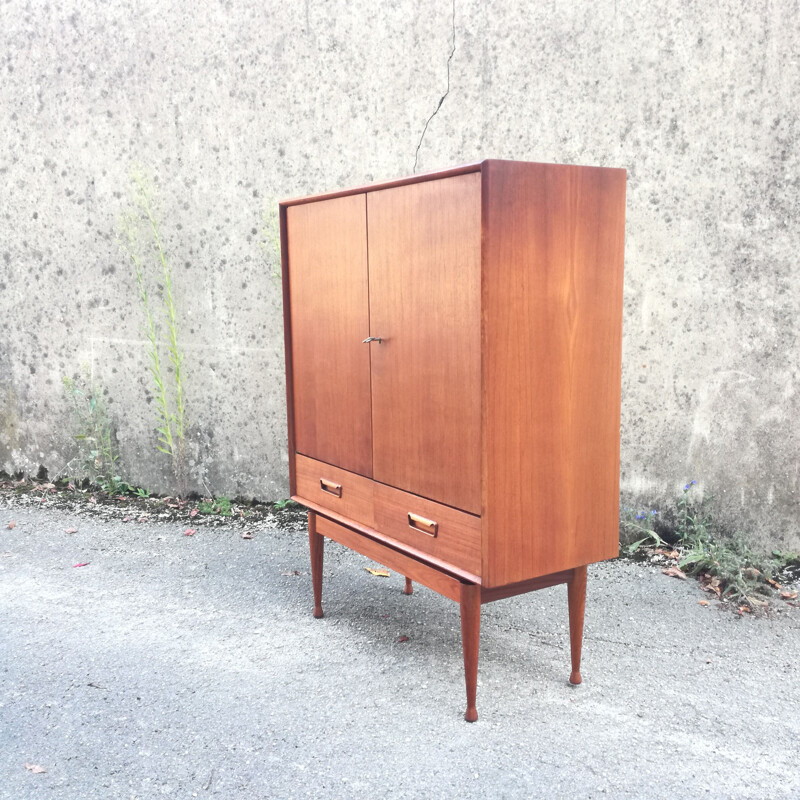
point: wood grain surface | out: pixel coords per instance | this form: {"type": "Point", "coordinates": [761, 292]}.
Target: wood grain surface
{"type": "Point", "coordinates": [329, 306]}
{"type": "Point", "coordinates": [419, 177]}
{"type": "Point", "coordinates": [316, 547]}
{"type": "Point", "coordinates": [475, 449]}
{"type": "Point", "coordinates": [287, 345]}
{"type": "Point", "coordinates": [576, 595]}
{"type": "Point", "coordinates": [445, 567]}
{"type": "Point", "coordinates": [532, 585]}
{"type": "Point", "coordinates": [458, 537]}
{"type": "Point", "coordinates": [470, 602]}
{"type": "Point", "coordinates": [355, 500]}
{"type": "Point", "coordinates": [393, 559]}
{"type": "Point", "coordinates": [553, 240]}
{"type": "Point", "coordinates": [424, 267]}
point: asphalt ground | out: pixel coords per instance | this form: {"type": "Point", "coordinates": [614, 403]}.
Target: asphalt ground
{"type": "Point", "coordinates": [191, 666]}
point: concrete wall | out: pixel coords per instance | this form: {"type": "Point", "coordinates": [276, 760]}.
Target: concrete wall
{"type": "Point", "coordinates": [232, 104]}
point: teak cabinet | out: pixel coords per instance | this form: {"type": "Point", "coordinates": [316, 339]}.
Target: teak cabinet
{"type": "Point", "coordinates": [453, 355]}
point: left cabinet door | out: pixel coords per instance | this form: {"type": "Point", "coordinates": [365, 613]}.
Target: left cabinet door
{"type": "Point", "coordinates": [329, 312]}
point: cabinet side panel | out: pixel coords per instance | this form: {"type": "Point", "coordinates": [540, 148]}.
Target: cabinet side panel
{"type": "Point", "coordinates": [552, 334]}
{"type": "Point", "coordinates": [329, 310]}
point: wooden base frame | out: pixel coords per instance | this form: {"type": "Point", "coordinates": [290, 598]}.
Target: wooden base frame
{"type": "Point", "coordinates": [470, 596]}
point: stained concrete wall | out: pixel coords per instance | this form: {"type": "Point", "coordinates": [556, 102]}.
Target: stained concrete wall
{"type": "Point", "coordinates": [232, 104]}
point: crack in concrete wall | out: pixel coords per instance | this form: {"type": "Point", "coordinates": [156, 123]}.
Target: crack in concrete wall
{"type": "Point", "coordinates": [442, 98]}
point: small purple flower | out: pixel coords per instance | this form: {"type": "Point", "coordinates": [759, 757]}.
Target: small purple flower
{"type": "Point", "coordinates": [653, 513]}
{"type": "Point", "coordinates": [640, 515]}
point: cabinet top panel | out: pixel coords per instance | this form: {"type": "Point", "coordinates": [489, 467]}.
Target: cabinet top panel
{"type": "Point", "coordinates": [475, 166]}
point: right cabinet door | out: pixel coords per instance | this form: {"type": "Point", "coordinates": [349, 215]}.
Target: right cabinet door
{"type": "Point", "coordinates": [424, 301]}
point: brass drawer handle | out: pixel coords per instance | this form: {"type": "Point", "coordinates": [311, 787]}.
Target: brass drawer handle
{"type": "Point", "coordinates": [423, 525]}
{"type": "Point", "coordinates": [330, 487]}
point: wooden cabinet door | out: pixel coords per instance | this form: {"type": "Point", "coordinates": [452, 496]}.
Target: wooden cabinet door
{"type": "Point", "coordinates": [424, 289]}
{"type": "Point", "coordinates": [329, 305]}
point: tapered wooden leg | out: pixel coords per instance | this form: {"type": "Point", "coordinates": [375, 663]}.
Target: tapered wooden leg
{"type": "Point", "coordinates": [576, 594]}
{"type": "Point", "coordinates": [470, 639]}
{"type": "Point", "coordinates": [316, 544]}
{"type": "Point", "coordinates": [409, 588]}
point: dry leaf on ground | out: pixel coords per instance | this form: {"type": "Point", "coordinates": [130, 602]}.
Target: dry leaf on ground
{"type": "Point", "coordinates": [675, 572]}
{"type": "Point", "coordinates": [402, 638]}
{"type": "Point", "coordinates": [82, 564]}
{"type": "Point", "coordinates": [38, 768]}
{"type": "Point", "coordinates": [378, 573]}
{"type": "Point", "coordinates": [247, 535]}
{"type": "Point", "coordinates": [668, 553]}
{"type": "Point", "coordinates": [189, 532]}
{"type": "Point", "coordinates": [11, 525]}
{"type": "Point", "coordinates": [702, 602]}
{"type": "Point", "coordinates": [711, 585]}
{"type": "Point", "coordinates": [193, 512]}
{"type": "Point", "coordinates": [751, 572]}
{"type": "Point", "coordinates": [789, 595]}
{"type": "Point", "coordinates": [70, 530]}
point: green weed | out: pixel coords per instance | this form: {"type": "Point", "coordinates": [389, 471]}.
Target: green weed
{"type": "Point", "coordinates": [219, 505]}
{"type": "Point", "coordinates": [280, 505]}
{"type": "Point", "coordinates": [98, 456]}
{"type": "Point", "coordinates": [723, 561]}
{"type": "Point", "coordinates": [786, 559]}
{"type": "Point", "coordinates": [641, 524]}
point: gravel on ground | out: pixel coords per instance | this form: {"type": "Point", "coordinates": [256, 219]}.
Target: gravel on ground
{"type": "Point", "coordinates": [191, 666]}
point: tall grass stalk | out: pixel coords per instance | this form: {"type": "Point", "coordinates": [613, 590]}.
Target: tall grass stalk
{"type": "Point", "coordinates": [171, 423]}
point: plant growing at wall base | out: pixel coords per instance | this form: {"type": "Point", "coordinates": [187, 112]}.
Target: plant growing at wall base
{"type": "Point", "coordinates": [723, 562]}
{"type": "Point", "coordinates": [169, 400]}
{"type": "Point", "coordinates": [219, 505]}
{"type": "Point", "coordinates": [97, 451]}
{"type": "Point", "coordinates": [280, 505]}
{"type": "Point", "coordinates": [641, 524]}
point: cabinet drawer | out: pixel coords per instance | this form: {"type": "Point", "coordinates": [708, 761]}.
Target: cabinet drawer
{"type": "Point", "coordinates": [330, 487]}
{"type": "Point", "coordinates": [444, 533]}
